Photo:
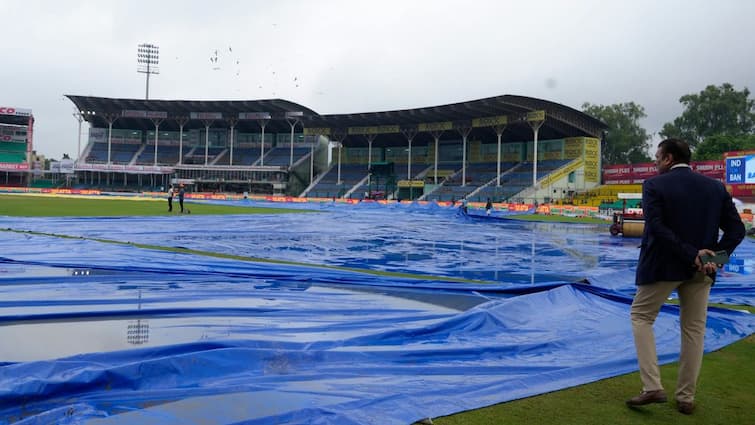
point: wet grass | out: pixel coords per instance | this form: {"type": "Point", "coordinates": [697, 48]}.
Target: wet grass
{"type": "Point", "coordinates": [559, 219]}
{"type": "Point", "coordinates": [58, 206]}
{"type": "Point", "coordinates": [725, 396]}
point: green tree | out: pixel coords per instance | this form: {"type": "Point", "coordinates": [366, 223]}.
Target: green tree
{"type": "Point", "coordinates": [717, 110]}
{"type": "Point", "coordinates": [713, 147]}
{"type": "Point", "coordinates": [626, 141]}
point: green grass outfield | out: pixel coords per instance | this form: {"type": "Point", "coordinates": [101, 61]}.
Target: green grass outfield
{"type": "Point", "coordinates": [560, 219]}
{"type": "Point", "coordinates": [726, 392]}
{"type": "Point", "coordinates": [725, 396]}
{"type": "Point", "coordinates": [103, 206]}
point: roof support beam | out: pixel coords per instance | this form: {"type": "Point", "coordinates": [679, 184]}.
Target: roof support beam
{"type": "Point", "coordinates": [181, 123]}
{"type": "Point", "coordinates": [262, 122]}
{"type": "Point", "coordinates": [436, 135]}
{"type": "Point", "coordinates": [156, 122]}
{"type": "Point", "coordinates": [535, 128]}
{"type": "Point", "coordinates": [498, 132]}
{"type": "Point", "coordinates": [370, 139]}
{"type": "Point", "coordinates": [207, 124]}
{"type": "Point", "coordinates": [464, 131]}
{"type": "Point", "coordinates": [338, 137]}
{"type": "Point", "coordinates": [232, 122]}
{"type": "Point", "coordinates": [409, 134]}
{"type": "Point", "coordinates": [292, 120]}
{"type": "Point", "coordinates": [110, 118]}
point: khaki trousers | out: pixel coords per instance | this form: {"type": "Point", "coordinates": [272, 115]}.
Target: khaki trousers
{"type": "Point", "coordinates": [693, 301]}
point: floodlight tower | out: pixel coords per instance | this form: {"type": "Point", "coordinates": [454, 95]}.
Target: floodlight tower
{"type": "Point", "coordinates": [148, 57]}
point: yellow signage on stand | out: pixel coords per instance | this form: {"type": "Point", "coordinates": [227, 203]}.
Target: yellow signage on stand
{"type": "Point", "coordinates": [536, 116]}
{"type": "Point", "coordinates": [573, 147]}
{"type": "Point", "coordinates": [490, 121]}
{"type": "Point", "coordinates": [592, 159]}
{"type": "Point", "coordinates": [436, 126]}
{"type": "Point", "coordinates": [322, 131]}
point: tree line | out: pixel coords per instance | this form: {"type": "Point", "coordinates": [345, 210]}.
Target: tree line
{"type": "Point", "coordinates": [718, 119]}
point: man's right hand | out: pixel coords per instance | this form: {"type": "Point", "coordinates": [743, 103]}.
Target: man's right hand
{"type": "Point", "coordinates": [707, 268]}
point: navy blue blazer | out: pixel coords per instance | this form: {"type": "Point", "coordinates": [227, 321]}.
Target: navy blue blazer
{"type": "Point", "coordinates": [683, 213]}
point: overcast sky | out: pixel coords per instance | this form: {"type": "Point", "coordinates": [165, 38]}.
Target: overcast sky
{"type": "Point", "coordinates": [359, 56]}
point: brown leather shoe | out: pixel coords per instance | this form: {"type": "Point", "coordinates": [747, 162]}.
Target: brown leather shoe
{"type": "Point", "coordinates": [647, 397]}
{"type": "Point", "coordinates": [685, 407]}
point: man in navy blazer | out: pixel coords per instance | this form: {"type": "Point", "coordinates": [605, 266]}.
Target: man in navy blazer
{"type": "Point", "coordinates": [683, 213]}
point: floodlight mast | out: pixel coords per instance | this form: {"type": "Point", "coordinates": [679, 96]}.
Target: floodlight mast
{"type": "Point", "coordinates": [148, 57]}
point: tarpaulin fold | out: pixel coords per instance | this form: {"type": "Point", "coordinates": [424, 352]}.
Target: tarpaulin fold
{"type": "Point", "coordinates": [497, 351]}
{"type": "Point", "coordinates": [112, 333]}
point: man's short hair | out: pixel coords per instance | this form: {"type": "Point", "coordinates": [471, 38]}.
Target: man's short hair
{"type": "Point", "coordinates": [677, 148]}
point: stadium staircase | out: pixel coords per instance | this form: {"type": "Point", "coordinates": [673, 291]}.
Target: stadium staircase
{"type": "Point", "coordinates": [479, 176]}
{"type": "Point", "coordinates": [548, 167]}
{"type": "Point", "coordinates": [484, 192]}
{"type": "Point", "coordinates": [137, 155]}
{"type": "Point", "coordinates": [329, 186]}
{"type": "Point", "coordinates": [450, 187]}
{"type": "Point", "coordinates": [85, 153]}
{"type": "Point", "coordinates": [305, 157]}
{"type": "Point", "coordinates": [223, 154]}
{"type": "Point", "coordinates": [315, 183]}
{"type": "Point", "coordinates": [354, 188]}
{"type": "Point", "coordinates": [435, 193]}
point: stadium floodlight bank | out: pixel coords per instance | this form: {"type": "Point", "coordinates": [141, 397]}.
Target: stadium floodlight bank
{"type": "Point", "coordinates": [148, 59]}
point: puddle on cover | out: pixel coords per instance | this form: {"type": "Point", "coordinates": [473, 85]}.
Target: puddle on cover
{"type": "Point", "coordinates": [71, 316]}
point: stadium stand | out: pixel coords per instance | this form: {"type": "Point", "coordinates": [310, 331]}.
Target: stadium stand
{"type": "Point", "coordinates": [199, 155]}
{"type": "Point", "coordinates": [607, 194]}
{"type": "Point", "coordinates": [17, 159]}
{"type": "Point", "coordinates": [12, 152]}
{"type": "Point", "coordinates": [416, 141]}
{"type": "Point", "coordinates": [97, 153]}
{"type": "Point", "coordinates": [281, 156]}
{"type": "Point", "coordinates": [241, 156]}
{"type": "Point", "coordinates": [166, 155]}
{"type": "Point", "coordinates": [329, 186]}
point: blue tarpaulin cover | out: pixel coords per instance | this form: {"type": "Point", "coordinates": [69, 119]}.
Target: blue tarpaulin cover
{"type": "Point", "coordinates": [96, 332]}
